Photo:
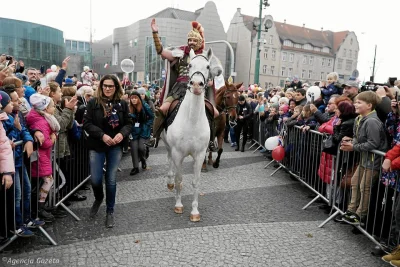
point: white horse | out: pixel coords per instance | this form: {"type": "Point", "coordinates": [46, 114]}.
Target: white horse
{"type": "Point", "coordinates": [189, 134]}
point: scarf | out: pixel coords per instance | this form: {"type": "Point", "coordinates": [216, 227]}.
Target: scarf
{"type": "Point", "coordinates": [51, 120]}
{"type": "Point", "coordinates": [111, 112]}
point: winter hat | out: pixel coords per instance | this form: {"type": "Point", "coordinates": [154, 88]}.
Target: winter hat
{"type": "Point", "coordinates": [22, 77]}
{"type": "Point", "coordinates": [284, 108]}
{"type": "Point", "coordinates": [69, 82]}
{"type": "Point", "coordinates": [4, 100]}
{"type": "Point", "coordinates": [39, 102]}
{"type": "Point", "coordinates": [141, 91]}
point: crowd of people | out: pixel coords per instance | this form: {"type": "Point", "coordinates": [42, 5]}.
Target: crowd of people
{"type": "Point", "coordinates": [48, 117]}
{"type": "Point", "coordinates": [357, 122]}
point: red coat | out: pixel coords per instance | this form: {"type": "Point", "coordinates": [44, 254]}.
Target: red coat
{"type": "Point", "coordinates": [325, 163]}
{"type": "Point", "coordinates": [394, 156]}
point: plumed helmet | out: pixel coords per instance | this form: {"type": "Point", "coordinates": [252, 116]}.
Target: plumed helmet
{"type": "Point", "coordinates": [197, 33]}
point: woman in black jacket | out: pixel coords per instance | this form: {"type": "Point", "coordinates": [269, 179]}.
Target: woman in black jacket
{"type": "Point", "coordinates": [106, 123]}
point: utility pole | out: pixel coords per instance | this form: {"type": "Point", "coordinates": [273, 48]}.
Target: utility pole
{"type": "Point", "coordinates": [257, 67]}
{"type": "Point", "coordinates": [373, 67]}
{"type": "Point", "coordinates": [91, 37]}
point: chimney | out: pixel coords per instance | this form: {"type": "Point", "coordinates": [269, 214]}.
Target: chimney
{"type": "Point", "coordinates": [284, 21]}
{"type": "Point", "coordinates": [304, 25]}
{"type": "Point", "coordinates": [239, 10]}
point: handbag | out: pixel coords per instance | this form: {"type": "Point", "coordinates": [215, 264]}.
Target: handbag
{"type": "Point", "coordinates": [328, 146]}
{"type": "Point", "coordinates": [345, 182]}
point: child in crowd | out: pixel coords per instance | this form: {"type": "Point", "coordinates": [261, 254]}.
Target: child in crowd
{"type": "Point", "coordinates": [16, 131]}
{"type": "Point", "coordinates": [369, 134]}
{"type": "Point", "coordinates": [292, 120]}
{"type": "Point", "coordinates": [283, 116]}
{"type": "Point", "coordinates": [292, 105]}
{"type": "Point", "coordinates": [307, 121]}
{"type": "Point", "coordinates": [331, 88]}
{"type": "Point", "coordinates": [41, 117]}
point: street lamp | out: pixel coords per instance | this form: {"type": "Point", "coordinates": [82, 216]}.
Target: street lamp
{"type": "Point", "coordinates": [267, 25]}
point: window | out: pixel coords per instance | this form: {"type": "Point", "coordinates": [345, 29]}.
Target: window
{"type": "Point", "coordinates": [329, 62]}
{"type": "Point", "coordinates": [81, 46]}
{"type": "Point", "coordinates": [297, 45]}
{"type": "Point", "coordinates": [283, 70]}
{"type": "Point", "coordinates": [355, 54]}
{"type": "Point", "coordinates": [303, 74]}
{"type": "Point", "coordinates": [265, 69]}
{"type": "Point", "coordinates": [273, 54]}
{"type": "Point", "coordinates": [325, 50]}
{"type": "Point", "coordinates": [289, 72]}
{"type": "Point", "coordinates": [311, 60]}
{"type": "Point", "coordinates": [87, 46]}
{"type": "Point", "coordinates": [272, 70]}
{"type": "Point", "coordinates": [271, 37]}
{"type": "Point", "coordinates": [291, 57]}
{"type": "Point", "coordinates": [304, 60]}
{"type": "Point", "coordinates": [287, 43]}
{"type": "Point", "coordinates": [135, 42]}
{"type": "Point", "coordinates": [309, 74]}
{"type": "Point", "coordinates": [68, 44]}
{"type": "Point", "coordinates": [130, 43]}
{"type": "Point", "coordinates": [74, 45]}
{"type": "Point", "coordinates": [323, 62]}
{"type": "Point", "coordinates": [322, 76]}
{"type": "Point", "coordinates": [266, 54]}
{"type": "Point", "coordinates": [350, 53]}
{"type": "Point", "coordinates": [351, 41]}
{"type": "Point", "coordinates": [284, 54]}
{"type": "Point", "coordinates": [308, 47]}
{"type": "Point", "coordinates": [340, 64]}
{"type": "Point", "coordinates": [318, 49]}
{"type": "Point", "coordinates": [344, 52]}
{"type": "Point", "coordinates": [349, 65]}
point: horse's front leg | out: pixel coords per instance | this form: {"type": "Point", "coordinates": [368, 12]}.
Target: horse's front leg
{"type": "Point", "coordinates": [216, 163]}
{"type": "Point", "coordinates": [170, 174]}
{"type": "Point", "coordinates": [195, 215]}
{"type": "Point", "coordinates": [210, 161]}
{"type": "Point", "coordinates": [178, 160]}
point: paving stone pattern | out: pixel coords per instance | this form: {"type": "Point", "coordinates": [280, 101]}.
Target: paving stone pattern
{"type": "Point", "coordinates": [247, 219]}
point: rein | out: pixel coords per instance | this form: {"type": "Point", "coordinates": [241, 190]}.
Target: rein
{"type": "Point", "coordinates": [199, 72]}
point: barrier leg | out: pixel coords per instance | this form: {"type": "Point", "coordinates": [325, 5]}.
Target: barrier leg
{"type": "Point", "coordinates": [337, 212]}
{"type": "Point", "coordinates": [312, 201]}
{"type": "Point", "coordinates": [266, 166]}
{"type": "Point", "coordinates": [8, 242]}
{"type": "Point", "coordinates": [47, 236]}
{"type": "Point", "coordinates": [280, 167]}
{"type": "Point", "coordinates": [260, 146]}
{"type": "Point", "coordinates": [255, 143]}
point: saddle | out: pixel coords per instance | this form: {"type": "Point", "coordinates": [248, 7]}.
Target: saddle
{"type": "Point", "coordinates": [176, 104]}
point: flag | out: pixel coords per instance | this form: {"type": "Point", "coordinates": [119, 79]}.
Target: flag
{"type": "Point", "coordinates": [106, 66]}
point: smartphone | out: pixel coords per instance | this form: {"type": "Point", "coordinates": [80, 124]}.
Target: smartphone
{"type": "Point", "coordinates": [43, 83]}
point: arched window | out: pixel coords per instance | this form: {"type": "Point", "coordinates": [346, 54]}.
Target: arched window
{"type": "Point", "coordinates": [325, 49]}
{"type": "Point", "coordinates": [288, 43]}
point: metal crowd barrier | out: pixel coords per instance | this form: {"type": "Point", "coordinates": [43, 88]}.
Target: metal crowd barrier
{"type": "Point", "coordinates": [69, 174]}
{"type": "Point", "coordinates": [372, 197]}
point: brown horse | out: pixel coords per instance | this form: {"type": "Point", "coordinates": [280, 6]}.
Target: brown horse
{"type": "Point", "coordinates": [226, 100]}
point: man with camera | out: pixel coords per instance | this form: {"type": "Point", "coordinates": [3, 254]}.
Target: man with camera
{"type": "Point", "coordinates": [87, 76]}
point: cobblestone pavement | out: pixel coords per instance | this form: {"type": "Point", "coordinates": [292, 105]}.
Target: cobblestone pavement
{"type": "Point", "coordinates": [247, 219]}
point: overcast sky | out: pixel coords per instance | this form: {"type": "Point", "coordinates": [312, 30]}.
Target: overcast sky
{"type": "Point", "coordinates": [373, 22]}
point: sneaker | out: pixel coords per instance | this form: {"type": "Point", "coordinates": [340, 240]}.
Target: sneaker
{"type": "Point", "coordinates": [32, 223]}
{"type": "Point", "coordinates": [352, 219]}
{"type": "Point", "coordinates": [110, 220]}
{"type": "Point", "coordinates": [338, 219]}
{"type": "Point", "coordinates": [59, 213]}
{"type": "Point", "coordinates": [233, 144]}
{"type": "Point", "coordinates": [395, 263]}
{"type": "Point", "coordinates": [263, 150]}
{"type": "Point", "coordinates": [95, 208]}
{"type": "Point", "coordinates": [393, 256]}
{"type": "Point", "coordinates": [23, 232]}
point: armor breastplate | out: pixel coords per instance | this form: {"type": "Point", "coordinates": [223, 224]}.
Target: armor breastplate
{"type": "Point", "coordinates": [183, 66]}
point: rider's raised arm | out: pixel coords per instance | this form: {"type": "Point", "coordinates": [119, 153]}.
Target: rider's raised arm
{"type": "Point", "coordinates": [158, 44]}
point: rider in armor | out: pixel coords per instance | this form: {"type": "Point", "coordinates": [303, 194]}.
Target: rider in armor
{"type": "Point", "coordinates": [179, 60]}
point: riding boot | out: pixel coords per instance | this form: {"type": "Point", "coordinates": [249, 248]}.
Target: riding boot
{"type": "Point", "coordinates": [212, 147]}
{"type": "Point", "coordinates": [158, 127]}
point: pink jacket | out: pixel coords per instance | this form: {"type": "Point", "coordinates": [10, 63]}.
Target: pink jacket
{"type": "Point", "coordinates": [37, 122]}
{"type": "Point", "coordinates": [6, 153]}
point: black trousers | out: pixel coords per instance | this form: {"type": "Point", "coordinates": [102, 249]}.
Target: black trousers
{"type": "Point", "coordinates": [241, 125]}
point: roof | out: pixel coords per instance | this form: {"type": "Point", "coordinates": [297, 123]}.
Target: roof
{"type": "Point", "coordinates": [302, 35]}
{"type": "Point", "coordinates": [173, 13]}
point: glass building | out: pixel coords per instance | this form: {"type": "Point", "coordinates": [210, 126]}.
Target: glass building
{"type": "Point", "coordinates": [81, 55]}
{"type": "Point", "coordinates": [34, 44]}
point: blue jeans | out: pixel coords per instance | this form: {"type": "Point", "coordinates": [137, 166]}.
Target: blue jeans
{"type": "Point", "coordinates": [232, 134]}
{"type": "Point", "coordinates": [26, 198]}
{"type": "Point", "coordinates": [97, 159]}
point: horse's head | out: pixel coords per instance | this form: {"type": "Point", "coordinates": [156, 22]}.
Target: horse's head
{"type": "Point", "coordinates": [202, 67]}
{"type": "Point", "coordinates": [230, 99]}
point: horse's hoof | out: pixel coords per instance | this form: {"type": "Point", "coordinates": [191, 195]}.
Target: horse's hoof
{"type": "Point", "coordinates": [178, 210]}
{"type": "Point", "coordinates": [216, 165]}
{"type": "Point", "coordinates": [195, 218]}
{"type": "Point", "coordinates": [170, 187]}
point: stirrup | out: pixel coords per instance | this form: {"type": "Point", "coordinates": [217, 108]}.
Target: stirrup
{"type": "Point", "coordinates": [151, 142]}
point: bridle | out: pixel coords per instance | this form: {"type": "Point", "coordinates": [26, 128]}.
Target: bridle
{"type": "Point", "coordinates": [225, 109]}
{"type": "Point", "coordinates": [199, 72]}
